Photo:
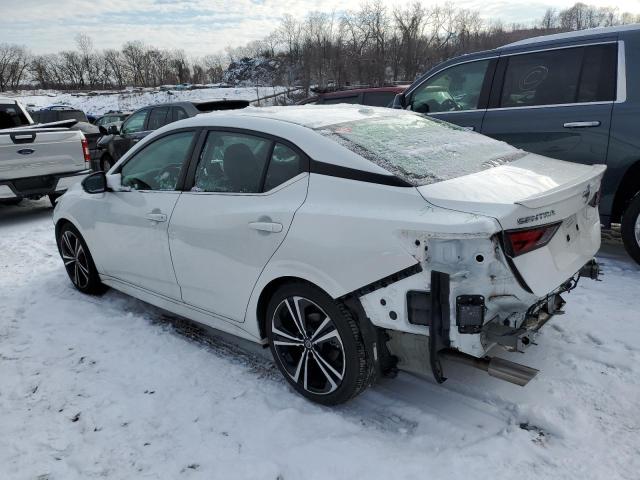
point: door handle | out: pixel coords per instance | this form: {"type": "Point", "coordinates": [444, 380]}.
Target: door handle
{"type": "Point", "coordinates": [271, 227]}
{"type": "Point", "coordinates": [156, 217]}
{"type": "Point", "coordinates": [581, 124]}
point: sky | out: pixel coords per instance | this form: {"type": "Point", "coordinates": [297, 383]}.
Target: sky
{"type": "Point", "coordinates": [201, 27]}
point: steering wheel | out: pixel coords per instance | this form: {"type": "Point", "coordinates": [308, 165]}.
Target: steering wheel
{"type": "Point", "coordinates": [449, 105]}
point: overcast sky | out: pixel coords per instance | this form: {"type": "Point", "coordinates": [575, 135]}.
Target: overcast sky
{"type": "Point", "coordinates": [205, 26]}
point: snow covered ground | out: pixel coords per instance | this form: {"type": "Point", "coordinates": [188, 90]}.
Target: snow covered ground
{"type": "Point", "coordinates": [109, 387]}
{"type": "Point", "coordinates": [97, 105]}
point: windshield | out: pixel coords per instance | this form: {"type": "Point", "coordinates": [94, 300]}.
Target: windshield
{"type": "Point", "coordinates": [418, 149]}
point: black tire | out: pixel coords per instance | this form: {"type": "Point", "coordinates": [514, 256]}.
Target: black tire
{"type": "Point", "coordinates": [106, 162]}
{"type": "Point", "coordinates": [53, 198]}
{"type": "Point", "coordinates": [631, 228]}
{"type": "Point", "coordinates": [330, 369]}
{"type": "Point", "coordinates": [78, 261]}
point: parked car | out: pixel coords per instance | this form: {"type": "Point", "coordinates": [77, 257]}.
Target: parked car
{"type": "Point", "coordinates": [111, 118]}
{"type": "Point", "coordinates": [569, 96]}
{"type": "Point", "coordinates": [347, 238]}
{"type": "Point", "coordinates": [375, 97]}
{"type": "Point", "coordinates": [61, 113]}
{"type": "Point", "coordinates": [118, 140]}
{"type": "Point", "coordinates": [36, 160]}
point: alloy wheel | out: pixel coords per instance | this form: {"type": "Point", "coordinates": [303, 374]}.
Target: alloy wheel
{"type": "Point", "coordinates": [637, 229]}
{"type": "Point", "coordinates": [75, 259]}
{"type": "Point", "coordinates": [308, 345]}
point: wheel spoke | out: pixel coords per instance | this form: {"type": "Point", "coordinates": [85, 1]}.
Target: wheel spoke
{"type": "Point", "coordinates": [296, 320]}
{"type": "Point", "coordinates": [322, 326]}
{"type": "Point", "coordinates": [65, 240]}
{"type": "Point", "coordinates": [288, 344]}
{"type": "Point", "coordinates": [303, 323]}
{"type": "Point", "coordinates": [78, 248]}
{"type": "Point", "coordinates": [296, 376]}
{"type": "Point", "coordinates": [306, 370]}
{"type": "Point", "coordinates": [83, 269]}
{"type": "Point", "coordinates": [69, 262]}
{"type": "Point", "coordinates": [326, 374]}
{"type": "Point", "coordinates": [327, 364]}
{"type": "Point", "coordinates": [328, 336]}
{"type": "Point", "coordinates": [282, 334]}
{"type": "Point", "coordinates": [75, 274]}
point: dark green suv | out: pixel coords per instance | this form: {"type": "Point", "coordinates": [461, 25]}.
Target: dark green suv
{"type": "Point", "coordinates": [572, 96]}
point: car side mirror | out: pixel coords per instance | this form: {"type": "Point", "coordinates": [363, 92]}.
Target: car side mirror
{"type": "Point", "coordinates": [114, 183]}
{"type": "Point", "coordinates": [113, 130]}
{"type": "Point", "coordinates": [95, 183]}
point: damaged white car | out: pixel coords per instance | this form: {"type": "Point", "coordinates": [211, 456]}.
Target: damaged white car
{"type": "Point", "coordinates": [354, 241]}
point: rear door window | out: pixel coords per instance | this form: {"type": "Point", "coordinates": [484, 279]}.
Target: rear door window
{"type": "Point", "coordinates": [179, 114]}
{"type": "Point", "coordinates": [284, 165]}
{"type": "Point", "coordinates": [158, 118]}
{"type": "Point", "coordinates": [562, 76]}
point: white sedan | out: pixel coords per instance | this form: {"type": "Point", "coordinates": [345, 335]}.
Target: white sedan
{"type": "Point", "coordinates": [354, 241]}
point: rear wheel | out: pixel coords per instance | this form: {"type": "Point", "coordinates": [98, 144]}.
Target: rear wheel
{"type": "Point", "coordinates": [316, 344]}
{"type": "Point", "coordinates": [631, 228]}
{"type": "Point", "coordinates": [78, 262]}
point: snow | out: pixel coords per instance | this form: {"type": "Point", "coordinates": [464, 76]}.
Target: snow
{"type": "Point", "coordinates": [109, 387]}
{"type": "Point", "coordinates": [128, 101]}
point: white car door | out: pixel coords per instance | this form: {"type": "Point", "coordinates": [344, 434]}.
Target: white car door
{"type": "Point", "coordinates": [246, 189]}
{"type": "Point", "coordinates": [132, 226]}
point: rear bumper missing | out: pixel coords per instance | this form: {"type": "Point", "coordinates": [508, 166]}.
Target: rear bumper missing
{"type": "Point", "coordinates": [40, 185]}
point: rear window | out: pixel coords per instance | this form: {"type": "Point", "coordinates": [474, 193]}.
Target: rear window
{"type": "Point", "coordinates": [379, 99]}
{"type": "Point", "coordinates": [72, 115]}
{"type": "Point", "coordinates": [418, 149]}
{"type": "Point", "coordinates": [11, 116]}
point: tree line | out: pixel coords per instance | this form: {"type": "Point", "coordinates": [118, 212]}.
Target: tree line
{"type": "Point", "coordinates": [372, 45]}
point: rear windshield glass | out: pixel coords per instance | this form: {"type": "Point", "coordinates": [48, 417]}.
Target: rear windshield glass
{"type": "Point", "coordinates": [418, 149]}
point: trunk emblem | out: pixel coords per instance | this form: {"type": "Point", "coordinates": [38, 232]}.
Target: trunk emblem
{"type": "Point", "coordinates": [26, 151]}
{"type": "Point", "coordinates": [535, 218]}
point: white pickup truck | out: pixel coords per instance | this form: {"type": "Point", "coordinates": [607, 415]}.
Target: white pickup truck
{"type": "Point", "coordinates": [38, 159]}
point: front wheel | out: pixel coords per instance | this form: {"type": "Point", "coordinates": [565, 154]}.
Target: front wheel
{"type": "Point", "coordinates": [631, 228]}
{"type": "Point", "coordinates": [317, 344]}
{"type": "Point", "coordinates": [78, 262]}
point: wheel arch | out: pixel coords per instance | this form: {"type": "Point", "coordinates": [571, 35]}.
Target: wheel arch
{"type": "Point", "coordinates": [627, 189]}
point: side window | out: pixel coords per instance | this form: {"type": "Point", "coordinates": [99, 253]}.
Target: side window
{"type": "Point", "coordinates": [12, 116]}
{"type": "Point", "coordinates": [157, 166]}
{"type": "Point", "coordinates": [379, 99]}
{"type": "Point", "coordinates": [456, 88]}
{"type": "Point", "coordinates": [158, 118]}
{"type": "Point", "coordinates": [284, 165]}
{"type": "Point", "coordinates": [179, 114]}
{"type": "Point", "coordinates": [335, 100]}
{"type": "Point", "coordinates": [232, 162]}
{"type": "Point", "coordinates": [598, 78]}
{"type": "Point", "coordinates": [135, 123]}
{"type": "Point", "coordinates": [542, 78]}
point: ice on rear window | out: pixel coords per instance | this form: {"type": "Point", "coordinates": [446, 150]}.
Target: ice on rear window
{"type": "Point", "coordinates": [418, 149]}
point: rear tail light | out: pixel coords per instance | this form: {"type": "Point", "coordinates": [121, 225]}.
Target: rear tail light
{"type": "Point", "coordinates": [85, 151]}
{"type": "Point", "coordinates": [519, 242]}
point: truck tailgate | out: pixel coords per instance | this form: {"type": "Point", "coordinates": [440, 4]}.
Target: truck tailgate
{"type": "Point", "coordinates": [35, 152]}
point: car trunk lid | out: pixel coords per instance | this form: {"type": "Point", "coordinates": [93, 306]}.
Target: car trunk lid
{"type": "Point", "coordinates": [527, 193]}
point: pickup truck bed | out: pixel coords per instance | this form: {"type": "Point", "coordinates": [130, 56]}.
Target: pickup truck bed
{"type": "Point", "coordinates": [38, 160]}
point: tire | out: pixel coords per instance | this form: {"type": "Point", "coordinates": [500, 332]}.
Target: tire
{"type": "Point", "coordinates": [53, 198]}
{"type": "Point", "coordinates": [78, 261]}
{"type": "Point", "coordinates": [106, 162]}
{"type": "Point", "coordinates": [631, 228]}
{"type": "Point", "coordinates": [325, 360]}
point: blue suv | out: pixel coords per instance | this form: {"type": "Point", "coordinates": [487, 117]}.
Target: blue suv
{"type": "Point", "coordinates": [572, 96]}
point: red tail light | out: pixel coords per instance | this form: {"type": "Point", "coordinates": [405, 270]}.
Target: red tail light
{"type": "Point", "coordinates": [85, 151]}
{"type": "Point", "coordinates": [519, 242]}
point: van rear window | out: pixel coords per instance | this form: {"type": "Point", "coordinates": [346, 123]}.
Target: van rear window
{"type": "Point", "coordinates": [419, 149]}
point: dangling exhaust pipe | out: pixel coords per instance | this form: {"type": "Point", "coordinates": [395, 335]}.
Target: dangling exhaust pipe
{"type": "Point", "coordinates": [496, 367]}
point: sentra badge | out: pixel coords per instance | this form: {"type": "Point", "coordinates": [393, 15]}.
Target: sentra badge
{"type": "Point", "coordinates": [537, 217]}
